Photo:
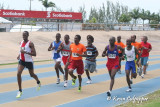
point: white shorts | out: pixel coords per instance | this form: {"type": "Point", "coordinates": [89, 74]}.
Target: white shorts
{"type": "Point", "coordinates": [58, 60]}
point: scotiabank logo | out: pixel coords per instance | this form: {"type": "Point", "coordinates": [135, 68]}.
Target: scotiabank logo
{"type": "Point", "coordinates": [62, 15]}
{"type": "Point", "coordinates": [14, 13]}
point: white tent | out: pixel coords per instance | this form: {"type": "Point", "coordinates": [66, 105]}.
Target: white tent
{"type": "Point", "coordinates": [21, 28]}
{"type": "Point", "coordinates": [5, 25]}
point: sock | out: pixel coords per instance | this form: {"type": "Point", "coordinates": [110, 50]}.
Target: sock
{"type": "Point", "coordinates": [20, 90]}
{"type": "Point", "coordinates": [129, 87]}
{"type": "Point", "coordinates": [109, 91]}
{"type": "Point", "coordinates": [38, 82]}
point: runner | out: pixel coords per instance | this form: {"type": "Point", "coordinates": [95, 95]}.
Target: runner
{"type": "Point", "coordinates": [27, 50]}
{"type": "Point", "coordinates": [130, 54]}
{"type": "Point", "coordinates": [65, 50]}
{"type": "Point", "coordinates": [90, 62]}
{"type": "Point", "coordinates": [56, 56]}
{"type": "Point", "coordinates": [119, 43]}
{"type": "Point", "coordinates": [138, 46]}
{"type": "Point", "coordinates": [145, 54]}
{"type": "Point", "coordinates": [77, 49]}
{"type": "Point", "coordinates": [113, 61]}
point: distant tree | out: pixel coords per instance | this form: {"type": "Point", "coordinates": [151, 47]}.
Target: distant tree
{"type": "Point", "coordinates": [135, 14]}
{"type": "Point", "coordinates": [125, 18]}
{"type": "Point", "coordinates": [83, 11]}
{"type": "Point", "coordinates": [1, 6]}
{"type": "Point", "coordinates": [47, 4]}
{"type": "Point", "coordinates": [149, 18]}
{"type": "Point", "coordinates": [143, 16]}
{"type": "Point", "coordinates": [93, 20]}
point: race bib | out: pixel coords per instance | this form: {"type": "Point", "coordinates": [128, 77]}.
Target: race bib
{"type": "Point", "coordinates": [64, 53]}
{"type": "Point", "coordinates": [112, 56]}
{"type": "Point", "coordinates": [22, 48]}
{"type": "Point", "coordinates": [89, 53]}
{"type": "Point", "coordinates": [74, 55]}
{"type": "Point", "coordinates": [130, 56]}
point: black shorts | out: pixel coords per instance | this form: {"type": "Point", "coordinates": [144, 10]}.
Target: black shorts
{"type": "Point", "coordinates": [28, 65]}
{"type": "Point", "coordinates": [120, 54]}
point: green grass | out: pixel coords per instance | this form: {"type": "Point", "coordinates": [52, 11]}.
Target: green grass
{"type": "Point", "coordinates": [153, 101]}
{"type": "Point", "coordinates": [17, 62]}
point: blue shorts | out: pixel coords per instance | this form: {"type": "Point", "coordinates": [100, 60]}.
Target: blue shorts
{"type": "Point", "coordinates": [144, 60]}
{"type": "Point", "coordinates": [130, 65]}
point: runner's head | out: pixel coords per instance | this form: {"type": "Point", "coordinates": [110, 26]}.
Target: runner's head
{"type": "Point", "coordinates": [58, 36]}
{"type": "Point", "coordinates": [119, 38]}
{"type": "Point", "coordinates": [133, 38]}
{"type": "Point", "coordinates": [112, 41]}
{"type": "Point", "coordinates": [90, 39]}
{"type": "Point", "coordinates": [145, 38]}
{"type": "Point", "coordinates": [77, 39]}
{"type": "Point", "coordinates": [128, 42]}
{"type": "Point", "coordinates": [66, 38]}
{"type": "Point", "coordinates": [25, 35]}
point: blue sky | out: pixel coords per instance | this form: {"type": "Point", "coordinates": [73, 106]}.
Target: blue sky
{"type": "Point", "coordinates": [152, 5]}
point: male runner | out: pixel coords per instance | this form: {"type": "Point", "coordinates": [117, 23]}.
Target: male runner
{"type": "Point", "coordinates": [147, 47]}
{"type": "Point", "coordinates": [130, 54]}
{"type": "Point", "coordinates": [27, 50]}
{"type": "Point", "coordinates": [65, 50]}
{"type": "Point", "coordinates": [77, 50]}
{"type": "Point", "coordinates": [90, 62]}
{"type": "Point", "coordinates": [113, 60]}
{"type": "Point", "coordinates": [119, 43]}
{"type": "Point", "coordinates": [56, 56]}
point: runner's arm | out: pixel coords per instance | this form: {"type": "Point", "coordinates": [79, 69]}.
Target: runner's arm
{"type": "Point", "coordinates": [60, 47]}
{"type": "Point", "coordinates": [33, 50]}
{"type": "Point", "coordinates": [50, 47]}
{"type": "Point", "coordinates": [104, 52]}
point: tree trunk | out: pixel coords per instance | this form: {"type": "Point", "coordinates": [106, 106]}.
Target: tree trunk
{"type": "Point", "coordinates": [143, 25]}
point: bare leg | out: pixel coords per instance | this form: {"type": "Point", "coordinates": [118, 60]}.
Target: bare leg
{"type": "Point", "coordinates": [113, 73]}
{"type": "Point", "coordinates": [87, 73]}
{"type": "Point", "coordinates": [19, 79]}
{"type": "Point", "coordinates": [80, 80]}
{"type": "Point", "coordinates": [127, 78]}
{"type": "Point", "coordinates": [32, 74]}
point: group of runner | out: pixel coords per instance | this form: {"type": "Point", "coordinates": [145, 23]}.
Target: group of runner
{"type": "Point", "coordinates": [71, 53]}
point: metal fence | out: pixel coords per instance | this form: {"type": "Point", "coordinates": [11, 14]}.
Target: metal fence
{"type": "Point", "coordinates": [72, 26]}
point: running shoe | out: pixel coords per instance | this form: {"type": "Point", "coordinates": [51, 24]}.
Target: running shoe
{"type": "Point", "coordinates": [142, 76]}
{"type": "Point", "coordinates": [58, 81]}
{"type": "Point", "coordinates": [89, 81]}
{"type": "Point", "coordinates": [65, 84]}
{"type": "Point", "coordinates": [74, 81]}
{"type": "Point", "coordinates": [38, 86]}
{"type": "Point", "coordinates": [79, 89]}
{"type": "Point", "coordinates": [129, 90]}
{"type": "Point", "coordinates": [19, 93]}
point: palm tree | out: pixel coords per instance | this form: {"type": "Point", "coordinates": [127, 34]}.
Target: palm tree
{"type": "Point", "coordinates": [125, 18]}
{"type": "Point", "coordinates": [148, 15]}
{"type": "Point", "coordinates": [143, 16]}
{"type": "Point", "coordinates": [47, 4]}
{"type": "Point", "coordinates": [135, 14]}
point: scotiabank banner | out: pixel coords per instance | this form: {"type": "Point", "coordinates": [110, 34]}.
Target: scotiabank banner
{"type": "Point", "coordinates": [40, 14]}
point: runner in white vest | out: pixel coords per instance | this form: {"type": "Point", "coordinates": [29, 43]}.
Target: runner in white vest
{"type": "Point", "coordinates": [130, 56]}
{"type": "Point", "coordinates": [65, 51]}
{"type": "Point", "coordinates": [27, 50]}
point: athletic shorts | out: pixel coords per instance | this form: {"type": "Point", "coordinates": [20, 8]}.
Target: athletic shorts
{"type": "Point", "coordinates": [58, 60]}
{"type": "Point", "coordinates": [120, 54]}
{"type": "Point", "coordinates": [90, 66]}
{"type": "Point", "coordinates": [130, 65]}
{"type": "Point", "coordinates": [28, 65]}
{"type": "Point", "coordinates": [144, 60]}
{"type": "Point", "coordinates": [64, 59]}
{"type": "Point", "coordinates": [78, 65]}
{"type": "Point", "coordinates": [112, 65]}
